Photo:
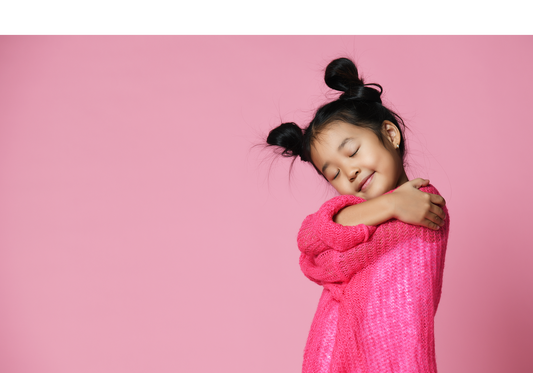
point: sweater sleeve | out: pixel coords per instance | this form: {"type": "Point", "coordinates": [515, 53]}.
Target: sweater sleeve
{"type": "Point", "coordinates": [325, 245]}
{"type": "Point", "coordinates": [332, 253]}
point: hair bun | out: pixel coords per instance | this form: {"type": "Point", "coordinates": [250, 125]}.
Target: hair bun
{"type": "Point", "coordinates": [288, 136]}
{"type": "Point", "coordinates": [342, 75]}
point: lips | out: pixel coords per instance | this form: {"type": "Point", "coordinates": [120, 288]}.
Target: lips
{"type": "Point", "coordinates": [366, 182]}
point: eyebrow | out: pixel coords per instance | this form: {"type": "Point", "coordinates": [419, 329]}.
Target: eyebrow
{"type": "Point", "coordinates": [343, 143]}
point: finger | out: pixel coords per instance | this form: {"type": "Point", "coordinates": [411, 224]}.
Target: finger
{"type": "Point", "coordinates": [435, 219]}
{"type": "Point", "coordinates": [419, 182]}
{"type": "Point", "coordinates": [438, 200]}
{"type": "Point", "coordinates": [431, 225]}
{"type": "Point", "coordinates": [438, 211]}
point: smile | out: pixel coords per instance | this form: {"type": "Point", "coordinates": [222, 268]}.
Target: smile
{"type": "Point", "coordinates": [366, 182]}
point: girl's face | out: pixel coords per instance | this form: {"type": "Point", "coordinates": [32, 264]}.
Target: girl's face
{"type": "Point", "coordinates": [354, 160]}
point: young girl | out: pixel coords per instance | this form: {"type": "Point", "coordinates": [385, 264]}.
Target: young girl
{"type": "Point", "coordinates": [378, 248]}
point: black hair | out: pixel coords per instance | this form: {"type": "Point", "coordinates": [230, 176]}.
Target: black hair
{"type": "Point", "coordinates": [360, 104]}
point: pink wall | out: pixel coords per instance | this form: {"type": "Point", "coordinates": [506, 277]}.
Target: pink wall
{"type": "Point", "coordinates": [140, 231]}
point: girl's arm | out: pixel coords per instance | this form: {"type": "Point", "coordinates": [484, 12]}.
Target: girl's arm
{"type": "Point", "coordinates": [406, 203]}
{"type": "Point", "coordinates": [331, 253]}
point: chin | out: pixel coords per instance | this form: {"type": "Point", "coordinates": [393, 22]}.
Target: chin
{"type": "Point", "coordinates": [375, 194]}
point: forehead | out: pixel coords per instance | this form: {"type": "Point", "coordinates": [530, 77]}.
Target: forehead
{"type": "Point", "coordinates": [336, 132]}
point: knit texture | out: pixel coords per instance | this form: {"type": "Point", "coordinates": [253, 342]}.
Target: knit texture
{"type": "Point", "coordinates": [382, 285]}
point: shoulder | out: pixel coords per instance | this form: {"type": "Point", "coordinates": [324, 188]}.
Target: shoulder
{"type": "Point", "coordinates": [319, 232]}
{"type": "Point", "coordinates": [331, 207]}
{"type": "Point", "coordinates": [326, 212]}
{"type": "Point", "coordinates": [430, 189]}
{"type": "Point", "coordinates": [334, 204]}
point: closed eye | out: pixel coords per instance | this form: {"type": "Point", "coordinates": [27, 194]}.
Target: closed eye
{"type": "Point", "coordinates": [354, 153]}
{"type": "Point", "coordinates": [337, 174]}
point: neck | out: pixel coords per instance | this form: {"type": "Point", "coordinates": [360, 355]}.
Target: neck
{"type": "Point", "coordinates": [403, 179]}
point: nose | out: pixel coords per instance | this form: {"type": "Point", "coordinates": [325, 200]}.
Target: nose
{"type": "Point", "coordinates": [352, 174]}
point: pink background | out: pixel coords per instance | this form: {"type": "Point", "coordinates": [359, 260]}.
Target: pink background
{"type": "Point", "coordinates": [142, 231]}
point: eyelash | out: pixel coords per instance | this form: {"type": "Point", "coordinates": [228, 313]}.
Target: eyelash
{"type": "Point", "coordinates": [337, 174]}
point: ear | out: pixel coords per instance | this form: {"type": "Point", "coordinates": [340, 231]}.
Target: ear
{"type": "Point", "coordinates": [391, 133]}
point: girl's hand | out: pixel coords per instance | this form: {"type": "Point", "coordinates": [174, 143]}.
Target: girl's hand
{"type": "Point", "coordinates": [413, 206]}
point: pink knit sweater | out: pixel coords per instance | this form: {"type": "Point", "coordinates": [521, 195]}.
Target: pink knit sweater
{"type": "Point", "coordinates": [382, 285]}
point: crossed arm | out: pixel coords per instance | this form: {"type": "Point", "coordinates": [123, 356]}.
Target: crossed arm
{"type": "Point", "coordinates": [336, 240]}
{"type": "Point", "coordinates": [406, 203]}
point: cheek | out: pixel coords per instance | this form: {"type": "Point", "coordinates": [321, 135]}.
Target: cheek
{"type": "Point", "coordinates": [375, 158]}
{"type": "Point", "coordinates": [386, 159]}
{"type": "Point", "coordinates": [342, 188]}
